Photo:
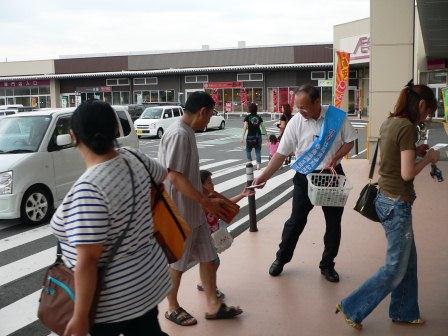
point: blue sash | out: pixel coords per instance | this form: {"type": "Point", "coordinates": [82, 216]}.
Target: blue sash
{"type": "Point", "coordinates": [314, 155]}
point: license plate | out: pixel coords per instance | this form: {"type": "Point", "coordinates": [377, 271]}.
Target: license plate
{"type": "Point", "coordinates": [139, 132]}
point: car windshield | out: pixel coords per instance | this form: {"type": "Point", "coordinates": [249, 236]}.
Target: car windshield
{"type": "Point", "coordinates": [152, 113]}
{"type": "Point", "coordinates": [22, 134]}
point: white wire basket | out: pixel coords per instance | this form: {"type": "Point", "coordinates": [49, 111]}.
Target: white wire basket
{"type": "Point", "coordinates": [328, 189]}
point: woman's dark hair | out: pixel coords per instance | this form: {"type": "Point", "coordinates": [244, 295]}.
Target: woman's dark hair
{"type": "Point", "coordinates": [312, 91]}
{"type": "Point", "coordinates": [409, 99]}
{"type": "Point", "coordinates": [286, 109]}
{"type": "Point", "coordinates": [95, 125]}
{"type": "Point", "coordinates": [253, 108]}
{"type": "Point", "coordinates": [205, 174]}
{"type": "Point", "coordinates": [273, 139]}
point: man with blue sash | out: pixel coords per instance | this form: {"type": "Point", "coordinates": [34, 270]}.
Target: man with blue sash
{"type": "Point", "coordinates": [320, 136]}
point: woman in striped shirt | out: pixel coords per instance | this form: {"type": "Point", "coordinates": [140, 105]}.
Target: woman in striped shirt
{"type": "Point", "coordinates": [90, 219]}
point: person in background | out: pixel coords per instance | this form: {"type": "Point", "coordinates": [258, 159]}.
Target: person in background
{"type": "Point", "coordinates": [273, 144]}
{"type": "Point", "coordinates": [253, 125]}
{"type": "Point", "coordinates": [178, 152]}
{"type": "Point", "coordinates": [284, 119]}
{"type": "Point", "coordinates": [93, 214]}
{"type": "Point", "coordinates": [398, 168]}
{"type": "Point", "coordinates": [213, 221]}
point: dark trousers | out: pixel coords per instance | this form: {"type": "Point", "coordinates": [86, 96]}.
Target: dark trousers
{"type": "Point", "coordinates": [301, 207]}
{"type": "Point", "coordinates": [145, 325]}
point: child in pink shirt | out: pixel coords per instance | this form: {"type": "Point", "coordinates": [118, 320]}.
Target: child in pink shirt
{"type": "Point", "coordinates": [273, 145]}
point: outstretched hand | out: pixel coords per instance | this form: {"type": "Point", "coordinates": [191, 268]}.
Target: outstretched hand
{"type": "Point", "coordinates": [247, 192]}
{"type": "Point", "coordinates": [421, 150]}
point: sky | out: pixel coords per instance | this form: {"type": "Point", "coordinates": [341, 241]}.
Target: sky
{"type": "Point", "coordinates": [43, 29]}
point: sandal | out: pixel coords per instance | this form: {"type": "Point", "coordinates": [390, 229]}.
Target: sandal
{"type": "Point", "coordinates": [224, 313]}
{"type": "Point", "coordinates": [220, 295]}
{"type": "Point", "coordinates": [416, 321]}
{"type": "Point", "coordinates": [180, 316]}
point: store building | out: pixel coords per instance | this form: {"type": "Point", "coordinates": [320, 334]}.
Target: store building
{"type": "Point", "coordinates": [267, 76]}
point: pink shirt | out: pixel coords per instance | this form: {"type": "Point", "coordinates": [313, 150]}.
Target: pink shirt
{"type": "Point", "coordinates": [272, 147]}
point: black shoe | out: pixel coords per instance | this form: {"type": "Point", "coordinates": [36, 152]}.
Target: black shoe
{"type": "Point", "coordinates": [330, 274]}
{"type": "Point", "coordinates": [276, 268]}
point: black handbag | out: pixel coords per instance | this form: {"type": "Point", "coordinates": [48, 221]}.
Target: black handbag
{"type": "Point", "coordinates": [366, 201]}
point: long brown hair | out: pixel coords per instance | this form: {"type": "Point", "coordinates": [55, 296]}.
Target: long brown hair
{"type": "Point", "coordinates": [409, 99]}
{"type": "Point", "coordinates": [287, 109]}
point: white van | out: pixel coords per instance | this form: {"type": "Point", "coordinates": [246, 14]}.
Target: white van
{"type": "Point", "coordinates": [156, 119]}
{"type": "Point", "coordinates": [38, 163]}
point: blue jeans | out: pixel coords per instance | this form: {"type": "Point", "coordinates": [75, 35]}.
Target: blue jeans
{"type": "Point", "coordinates": [398, 276]}
{"type": "Point", "coordinates": [253, 142]}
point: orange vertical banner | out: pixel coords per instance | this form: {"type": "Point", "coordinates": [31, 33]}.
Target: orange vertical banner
{"type": "Point", "coordinates": [342, 71]}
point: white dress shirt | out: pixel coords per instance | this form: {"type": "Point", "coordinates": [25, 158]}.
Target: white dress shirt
{"type": "Point", "coordinates": [300, 133]}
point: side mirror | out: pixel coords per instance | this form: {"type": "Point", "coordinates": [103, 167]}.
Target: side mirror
{"type": "Point", "coordinates": [63, 140]}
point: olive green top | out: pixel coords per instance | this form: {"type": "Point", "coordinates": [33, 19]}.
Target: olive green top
{"type": "Point", "coordinates": [396, 135]}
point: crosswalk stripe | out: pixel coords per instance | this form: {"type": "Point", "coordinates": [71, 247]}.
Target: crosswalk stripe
{"type": "Point", "coordinates": [232, 183]}
{"type": "Point", "coordinates": [226, 171]}
{"type": "Point", "coordinates": [272, 184]}
{"type": "Point", "coordinates": [24, 237]}
{"type": "Point", "coordinates": [219, 163]}
{"type": "Point", "coordinates": [264, 206]}
{"type": "Point", "coordinates": [19, 314]}
{"type": "Point", "coordinates": [22, 267]}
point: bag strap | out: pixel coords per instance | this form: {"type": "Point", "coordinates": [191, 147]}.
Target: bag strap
{"type": "Point", "coordinates": [120, 239]}
{"type": "Point", "coordinates": [159, 193]}
{"type": "Point", "coordinates": [373, 164]}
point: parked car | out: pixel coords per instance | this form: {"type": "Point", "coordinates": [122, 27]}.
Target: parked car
{"type": "Point", "coordinates": [135, 111]}
{"type": "Point", "coordinates": [217, 121]}
{"type": "Point", "coordinates": [39, 164]}
{"type": "Point", "coordinates": [4, 113]}
{"type": "Point", "coordinates": [156, 119]}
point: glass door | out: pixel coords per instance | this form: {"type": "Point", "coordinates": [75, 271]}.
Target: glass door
{"type": "Point", "coordinates": [437, 89]}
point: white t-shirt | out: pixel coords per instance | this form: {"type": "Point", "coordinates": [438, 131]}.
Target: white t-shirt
{"type": "Point", "coordinates": [300, 134]}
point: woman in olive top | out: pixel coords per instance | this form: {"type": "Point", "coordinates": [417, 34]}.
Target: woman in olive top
{"type": "Point", "coordinates": [393, 204]}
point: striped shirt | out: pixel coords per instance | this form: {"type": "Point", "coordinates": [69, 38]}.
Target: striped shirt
{"type": "Point", "coordinates": [95, 211]}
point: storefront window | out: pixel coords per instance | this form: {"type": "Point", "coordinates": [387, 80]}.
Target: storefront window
{"type": "Point", "coordinates": [326, 95]}
{"type": "Point", "coordinates": [116, 98]}
{"type": "Point", "coordinates": [257, 98]}
{"type": "Point", "coordinates": [437, 77]}
{"type": "Point", "coordinates": [22, 92]}
{"type": "Point", "coordinates": [162, 96]}
{"type": "Point", "coordinates": [170, 95]}
{"type": "Point", "coordinates": [108, 97]}
{"type": "Point", "coordinates": [44, 90]}
{"type": "Point", "coordinates": [125, 98]}
{"type": "Point", "coordinates": [279, 96]}
{"type": "Point", "coordinates": [25, 101]}
{"type": "Point", "coordinates": [154, 96]}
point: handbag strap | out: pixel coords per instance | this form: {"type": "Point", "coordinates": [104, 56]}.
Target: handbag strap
{"type": "Point", "coordinates": [373, 164]}
{"type": "Point", "coordinates": [159, 193]}
{"type": "Point", "coordinates": [120, 239]}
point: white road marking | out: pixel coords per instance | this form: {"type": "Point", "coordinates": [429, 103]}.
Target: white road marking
{"type": "Point", "coordinates": [19, 314]}
{"type": "Point", "coordinates": [217, 164]}
{"type": "Point", "coordinates": [232, 169]}
{"type": "Point", "coordinates": [265, 206]}
{"type": "Point", "coordinates": [25, 266]}
{"type": "Point", "coordinates": [24, 237]}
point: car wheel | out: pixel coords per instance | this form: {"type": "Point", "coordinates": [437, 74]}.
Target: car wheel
{"type": "Point", "coordinates": [223, 125]}
{"type": "Point", "coordinates": [160, 133]}
{"type": "Point", "coordinates": [36, 206]}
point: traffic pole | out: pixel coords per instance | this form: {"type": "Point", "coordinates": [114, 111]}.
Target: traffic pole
{"type": "Point", "coordinates": [251, 199]}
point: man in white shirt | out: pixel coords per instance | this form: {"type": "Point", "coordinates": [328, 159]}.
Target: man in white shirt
{"type": "Point", "coordinates": [299, 134]}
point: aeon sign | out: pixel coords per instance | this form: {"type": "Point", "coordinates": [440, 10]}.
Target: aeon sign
{"type": "Point", "coordinates": [358, 47]}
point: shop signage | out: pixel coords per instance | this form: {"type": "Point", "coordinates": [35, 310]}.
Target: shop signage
{"type": "Point", "coordinates": [342, 71]}
{"type": "Point", "coordinates": [223, 85]}
{"type": "Point", "coordinates": [94, 89]}
{"type": "Point", "coordinates": [25, 83]}
{"type": "Point", "coordinates": [325, 82]}
{"type": "Point", "coordinates": [228, 107]}
{"type": "Point", "coordinates": [358, 47]}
